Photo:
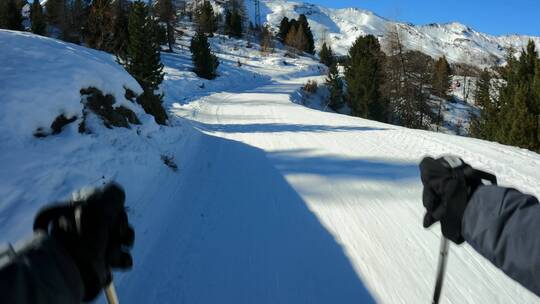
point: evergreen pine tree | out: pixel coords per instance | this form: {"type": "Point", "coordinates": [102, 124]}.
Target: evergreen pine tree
{"type": "Point", "coordinates": [523, 124]}
{"type": "Point", "coordinates": [326, 55]}
{"type": "Point", "coordinates": [234, 20]}
{"type": "Point", "coordinates": [442, 78]}
{"type": "Point", "coordinates": [120, 31]}
{"type": "Point", "coordinates": [527, 63]}
{"type": "Point", "coordinates": [167, 15]}
{"type": "Point", "coordinates": [483, 123]}
{"type": "Point", "coordinates": [37, 18]}
{"type": "Point", "coordinates": [363, 74]}
{"type": "Point", "coordinates": [284, 27]}
{"type": "Point", "coordinates": [75, 13]}
{"type": "Point", "coordinates": [239, 17]}
{"type": "Point", "coordinates": [3, 14]}
{"type": "Point", "coordinates": [205, 18]}
{"type": "Point", "coordinates": [143, 52]}
{"type": "Point", "coordinates": [98, 30]}
{"type": "Point", "coordinates": [143, 59]}
{"type": "Point", "coordinates": [522, 111]}
{"type": "Point", "coordinates": [236, 27]}
{"type": "Point", "coordinates": [205, 63]}
{"type": "Point", "coordinates": [227, 23]}
{"type": "Point", "coordinates": [536, 94]}
{"type": "Point", "coordinates": [418, 113]}
{"type": "Point", "coordinates": [11, 17]}
{"type": "Point", "coordinates": [56, 12]}
{"type": "Point", "coordinates": [309, 46]}
{"type": "Point", "coordinates": [508, 74]}
{"type": "Point", "coordinates": [335, 88]}
{"type": "Point", "coordinates": [517, 121]}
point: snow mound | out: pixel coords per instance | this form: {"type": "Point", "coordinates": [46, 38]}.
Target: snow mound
{"type": "Point", "coordinates": [41, 78]}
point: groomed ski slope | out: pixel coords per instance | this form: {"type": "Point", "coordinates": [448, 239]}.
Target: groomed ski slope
{"type": "Point", "coordinates": [278, 203]}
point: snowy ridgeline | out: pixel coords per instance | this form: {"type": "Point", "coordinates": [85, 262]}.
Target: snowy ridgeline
{"type": "Point", "coordinates": [341, 27]}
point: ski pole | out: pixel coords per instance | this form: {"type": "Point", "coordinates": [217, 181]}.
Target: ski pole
{"type": "Point", "coordinates": [110, 294]}
{"type": "Point", "coordinates": [441, 268]}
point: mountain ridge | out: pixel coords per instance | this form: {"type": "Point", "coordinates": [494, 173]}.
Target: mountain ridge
{"type": "Point", "coordinates": [459, 42]}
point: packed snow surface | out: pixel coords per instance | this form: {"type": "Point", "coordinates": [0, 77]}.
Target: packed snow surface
{"type": "Point", "coordinates": [273, 202]}
{"type": "Point", "coordinates": [278, 203]}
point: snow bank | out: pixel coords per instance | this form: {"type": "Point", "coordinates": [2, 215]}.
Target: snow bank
{"type": "Point", "coordinates": [41, 78]}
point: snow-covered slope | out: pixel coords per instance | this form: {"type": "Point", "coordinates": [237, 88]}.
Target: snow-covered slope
{"type": "Point", "coordinates": [41, 78]}
{"type": "Point", "coordinates": [279, 203]}
{"type": "Point", "coordinates": [342, 26]}
{"type": "Point", "coordinates": [272, 203]}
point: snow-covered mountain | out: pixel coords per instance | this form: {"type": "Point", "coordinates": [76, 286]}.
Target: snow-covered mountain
{"type": "Point", "coordinates": [340, 27]}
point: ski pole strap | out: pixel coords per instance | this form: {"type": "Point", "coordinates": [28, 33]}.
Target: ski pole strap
{"type": "Point", "coordinates": [48, 215]}
{"type": "Point", "coordinates": [470, 172]}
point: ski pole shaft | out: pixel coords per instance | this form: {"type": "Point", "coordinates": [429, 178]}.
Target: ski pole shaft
{"type": "Point", "coordinates": [441, 268]}
{"type": "Point", "coordinates": [110, 294]}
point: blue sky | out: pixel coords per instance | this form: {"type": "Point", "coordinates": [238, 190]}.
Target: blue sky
{"type": "Point", "coordinates": [497, 17]}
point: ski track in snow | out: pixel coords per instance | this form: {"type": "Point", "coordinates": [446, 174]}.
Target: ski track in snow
{"type": "Point", "coordinates": [278, 203]}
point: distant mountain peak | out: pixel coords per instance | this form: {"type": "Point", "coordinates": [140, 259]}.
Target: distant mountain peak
{"type": "Point", "coordinates": [340, 28]}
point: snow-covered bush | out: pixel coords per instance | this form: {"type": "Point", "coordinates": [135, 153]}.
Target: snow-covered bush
{"type": "Point", "coordinates": [102, 105]}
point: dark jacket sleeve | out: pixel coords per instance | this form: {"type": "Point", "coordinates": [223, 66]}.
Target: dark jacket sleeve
{"type": "Point", "coordinates": [41, 273]}
{"type": "Point", "coordinates": [503, 225]}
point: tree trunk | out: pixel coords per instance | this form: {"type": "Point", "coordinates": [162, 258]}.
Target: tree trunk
{"type": "Point", "coordinates": [170, 36]}
{"type": "Point", "coordinates": [439, 115]}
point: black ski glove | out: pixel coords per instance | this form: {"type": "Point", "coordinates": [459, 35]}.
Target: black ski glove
{"type": "Point", "coordinates": [95, 232]}
{"type": "Point", "coordinates": [448, 185]}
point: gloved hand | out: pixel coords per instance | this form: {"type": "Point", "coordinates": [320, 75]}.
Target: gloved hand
{"type": "Point", "coordinates": [95, 232]}
{"type": "Point", "coordinates": [448, 185]}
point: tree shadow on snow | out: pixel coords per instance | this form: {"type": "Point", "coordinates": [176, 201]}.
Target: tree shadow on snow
{"type": "Point", "coordinates": [239, 233]}
{"type": "Point", "coordinates": [301, 162]}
